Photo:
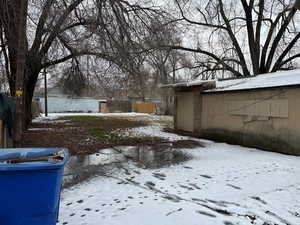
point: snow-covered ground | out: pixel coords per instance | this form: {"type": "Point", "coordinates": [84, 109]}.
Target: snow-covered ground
{"type": "Point", "coordinates": [221, 184]}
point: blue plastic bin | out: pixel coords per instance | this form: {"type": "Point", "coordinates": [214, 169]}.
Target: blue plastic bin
{"type": "Point", "coordinates": [30, 191]}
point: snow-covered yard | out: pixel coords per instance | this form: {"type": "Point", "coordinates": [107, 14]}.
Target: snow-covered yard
{"type": "Point", "coordinates": [221, 184]}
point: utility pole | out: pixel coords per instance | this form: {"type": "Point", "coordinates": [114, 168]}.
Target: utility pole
{"type": "Point", "coordinates": [21, 49]}
{"type": "Point", "coordinates": [46, 91]}
{"type": "Point", "coordinates": [88, 75]}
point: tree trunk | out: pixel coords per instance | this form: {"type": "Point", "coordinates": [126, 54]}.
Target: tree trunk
{"type": "Point", "coordinates": [21, 60]}
{"type": "Point", "coordinates": [30, 83]}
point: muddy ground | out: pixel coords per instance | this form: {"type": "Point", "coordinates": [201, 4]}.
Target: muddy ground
{"type": "Point", "coordinates": [89, 134]}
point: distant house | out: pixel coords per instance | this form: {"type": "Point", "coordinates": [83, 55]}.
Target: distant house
{"type": "Point", "coordinates": [59, 102]}
{"type": "Point", "coordinates": [68, 104]}
{"type": "Point", "coordinates": [261, 111]}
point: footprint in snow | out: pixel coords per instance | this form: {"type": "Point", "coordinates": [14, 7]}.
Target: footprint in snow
{"type": "Point", "coordinates": [205, 176]}
{"type": "Point", "coordinates": [199, 200]}
{"type": "Point", "coordinates": [172, 212]}
{"type": "Point", "coordinates": [296, 214]}
{"type": "Point", "coordinates": [205, 213]}
{"type": "Point", "coordinates": [228, 223]}
{"type": "Point", "coordinates": [186, 187]}
{"type": "Point", "coordinates": [159, 175]}
{"type": "Point", "coordinates": [121, 182]}
{"type": "Point", "coordinates": [194, 185]}
{"type": "Point", "coordinates": [188, 167]}
{"type": "Point", "coordinates": [259, 200]}
{"type": "Point", "coordinates": [150, 184]}
{"type": "Point", "coordinates": [233, 186]}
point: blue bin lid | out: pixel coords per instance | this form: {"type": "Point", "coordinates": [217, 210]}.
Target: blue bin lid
{"type": "Point", "coordinates": [31, 153]}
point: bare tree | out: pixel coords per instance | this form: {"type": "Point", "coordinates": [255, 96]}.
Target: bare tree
{"type": "Point", "coordinates": [63, 30]}
{"type": "Point", "coordinates": [111, 80]}
{"type": "Point", "coordinates": [243, 37]}
{"type": "Point", "coordinates": [73, 80]}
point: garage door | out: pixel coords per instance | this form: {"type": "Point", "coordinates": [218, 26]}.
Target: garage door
{"type": "Point", "coordinates": [185, 111]}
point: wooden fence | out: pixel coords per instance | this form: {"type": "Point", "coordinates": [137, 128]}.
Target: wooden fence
{"type": "Point", "coordinates": [144, 107]}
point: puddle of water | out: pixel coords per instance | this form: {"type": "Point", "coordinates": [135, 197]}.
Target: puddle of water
{"type": "Point", "coordinates": [83, 167]}
{"type": "Point", "coordinates": [150, 156]}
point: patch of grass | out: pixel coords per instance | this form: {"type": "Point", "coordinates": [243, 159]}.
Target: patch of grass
{"type": "Point", "coordinates": [81, 119]}
{"type": "Point", "coordinates": [109, 136]}
{"type": "Point", "coordinates": [104, 135]}
{"type": "Point", "coordinates": [104, 122]}
{"type": "Point", "coordinates": [109, 131]}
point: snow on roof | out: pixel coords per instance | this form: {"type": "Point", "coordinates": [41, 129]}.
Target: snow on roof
{"type": "Point", "coordinates": [269, 80]}
{"type": "Point", "coordinates": [188, 84]}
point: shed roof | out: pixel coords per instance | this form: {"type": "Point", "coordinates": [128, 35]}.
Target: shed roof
{"type": "Point", "coordinates": [269, 80]}
{"type": "Point", "coordinates": [188, 84]}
